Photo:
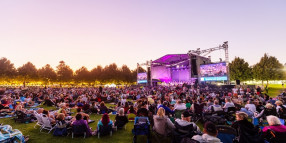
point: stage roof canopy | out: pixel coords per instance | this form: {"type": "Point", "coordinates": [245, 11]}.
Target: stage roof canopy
{"type": "Point", "coordinates": [171, 59]}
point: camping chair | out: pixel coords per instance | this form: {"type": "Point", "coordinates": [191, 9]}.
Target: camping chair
{"type": "Point", "coordinates": [46, 124]}
{"type": "Point", "coordinates": [182, 132]}
{"type": "Point", "coordinates": [131, 117]}
{"type": "Point", "coordinates": [78, 130]}
{"type": "Point", "coordinates": [104, 130]}
{"type": "Point", "coordinates": [226, 134]}
{"type": "Point", "coordinates": [229, 113]}
{"type": "Point", "coordinates": [120, 125]}
{"type": "Point", "coordinates": [39, 120]}
{"type": "Point", "coordinates": [141, 127]}
{"type": "Point", "coordinates": [275, 137]}
{"type": "Point", "coordinates": [21, 117]}
{"type": "Point", "coordinates": [198, 114]}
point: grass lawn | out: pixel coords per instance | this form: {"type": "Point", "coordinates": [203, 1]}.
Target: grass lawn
{"type": "Point", "coordinates": [274, 90]}
{"type": "Point", "coordinates": [120, 136]}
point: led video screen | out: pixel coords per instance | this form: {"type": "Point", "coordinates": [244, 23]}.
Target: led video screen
{"type": "Point", "coordinates": [142, 77]}
{"type": "Point", "coordinates": [213, 72]}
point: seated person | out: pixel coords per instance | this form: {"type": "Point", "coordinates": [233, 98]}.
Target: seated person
{"type": "Point", "coordinates": [61, 125]}
{"type": "Point", "coordinates": [215, 108]}
{"type": "Point", "coordinates": [162, 124]}
{"type": "Point", "coordinates": [63, 109]}
{"type": "Point", "coordinates": [84, 115]}
{"type": "Point", "coordinates": [20, 108]}
{"type": "Point", "coordinates": [4, 108]}
{"type": "Point", "coordinates": [186, 121]}
{"type": "Point", "coordinates": [49, 102]}
{"type": "Point", "coordinates": [281, 109]}
{"type": "Point", "coordinates": [180, 105]}
{"type": "Point", "coordinates": [210, 134]}
{"type": "Point", "coordinates": [86, 107]}
{"type": "Point", "coordinates": [120, 119]}
{"type": "Point", "coordinates": [79, 104]}
{"type": "Point", "coordinates": [142, 111]}
{"type": "Point", "coordinates": [104, 121]}
{"type": "Point", "coordinates": [126, 107]}
{"type": "Point", "coordinates": [245, 129]}
{"type": "Point", "coordinates": [131, 110]}
{"type": "Point", "coordinates": [118, 107]}
{"type": "Point", "coordinates": [79, 121]}
{"type": "Point", "coordinates": [228, 103]}
{"type": "Point", "coordinates": [94, 108]}
{"type": "Point", "coordinates": [103, 109]}
{"type": "Point", "coordinates": [51, 117]}
{"type": "Point", "coordinates": [29, 101]}
{"type": "Point", "coordinates": [274, 124]}
{"type": "Point", "coordinates": [167, 109]}
{"type": "Point", "coordinates": [259, 106]}
{"type": "Point", "coordinates": [269, 110]}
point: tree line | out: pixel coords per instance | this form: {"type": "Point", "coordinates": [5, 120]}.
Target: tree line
{"type": "Point", "coordinates": [63, 74]}
{"type": "Point", "coordinates": [268, 68]}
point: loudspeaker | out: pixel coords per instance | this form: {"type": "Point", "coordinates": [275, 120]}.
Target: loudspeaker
{"type": "Point", "coordinates": [237, 82]}
{"type": "Point", "coordinates": [148, 73]}
{"type": "Point", "coordinates": [194, 67]}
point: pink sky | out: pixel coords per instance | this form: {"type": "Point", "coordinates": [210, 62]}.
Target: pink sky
{"type": "Point", "coordinates": [99, 32]}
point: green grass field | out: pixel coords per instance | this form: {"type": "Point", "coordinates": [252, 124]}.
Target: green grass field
{"type": "Point", "coordinates": [35, 136]}
{"type": "Point", "coordinates": [274, 90]}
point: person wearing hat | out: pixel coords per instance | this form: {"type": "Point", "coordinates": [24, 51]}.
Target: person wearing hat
{"type": "Point", "coordinates": [186, 121]}
{"type": "Point", "coordinates": [209, 136]}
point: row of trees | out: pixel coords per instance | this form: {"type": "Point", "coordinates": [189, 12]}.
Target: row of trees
{"type": "Point", "coordinates": [268, 68]}
{"type": "Point", "coordinates": [63, 74]}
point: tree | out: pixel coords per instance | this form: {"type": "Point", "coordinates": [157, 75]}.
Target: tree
{"type": "Point", "coordinates": [240, 70]}
{"type": "Point", "coordinates": [82, 75]}
{"type": "Point", "coordinates": [269, 68]}
{"type": "Point", "coordinates": [96, 74]}
{"type": "Point", "coordinates": [47, 74]}
{"type": "Point", "coordinates": [28, 72]}
{"type": "Point", "coordinates": [64, 72]}
{"type": "Point", "coordinates": [7, 69]}
{"type": "Point", "coordinates": [111, 73]}
{"type": "Point", "coordinates": [125, 74]}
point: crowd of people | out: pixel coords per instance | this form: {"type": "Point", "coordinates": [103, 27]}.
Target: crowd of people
{"type": "Point", "coordinates": [173, 111]}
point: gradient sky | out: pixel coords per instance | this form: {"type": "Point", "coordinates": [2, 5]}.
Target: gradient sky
{"type": "Point", "coordinates": [100, 32]}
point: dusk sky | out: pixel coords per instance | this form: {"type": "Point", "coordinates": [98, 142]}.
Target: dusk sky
{"type": "Point", "coordinates": [100, 32]}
